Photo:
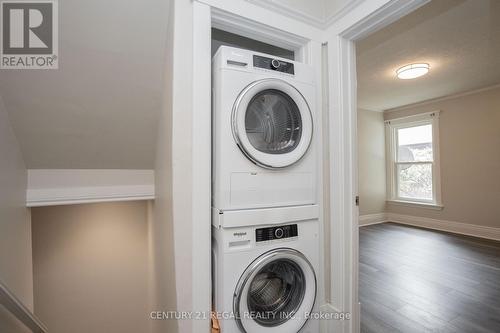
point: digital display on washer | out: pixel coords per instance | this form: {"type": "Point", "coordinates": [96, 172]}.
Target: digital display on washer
{"type": "Point", "coordinates": [272, 233]}
{"type": "Point", "coordinates": [273, 64]}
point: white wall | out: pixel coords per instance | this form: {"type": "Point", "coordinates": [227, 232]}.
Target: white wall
{"type": "Point", "coordinates": [371, 162]}
{"type": "Point", "coordinates": [162, 223]}
{"type": "Point", "coordinates": [15, 224]}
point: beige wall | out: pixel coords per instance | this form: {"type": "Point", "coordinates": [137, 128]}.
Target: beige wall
{"type": "Point", "coordinates": [15, 224]}
{"type": "Point", "coordinates": [470, 158]}
{"type": "Point", "coordinates": [90, 267]}
{"type": "Point", "coordinates": [371, 159]}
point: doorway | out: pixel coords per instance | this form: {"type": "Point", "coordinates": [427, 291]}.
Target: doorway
{"type": "Point", "coordinates": [428, 239]}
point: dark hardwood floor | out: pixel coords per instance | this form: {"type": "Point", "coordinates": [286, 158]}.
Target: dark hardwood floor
{"type": "Point", "coordinates": [417, 280]}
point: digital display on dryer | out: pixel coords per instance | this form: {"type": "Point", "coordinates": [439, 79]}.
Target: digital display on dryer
{"type": "Point", "coordinates": [273, 64]}
{"type": "Point", "coordinates": [273, 233]}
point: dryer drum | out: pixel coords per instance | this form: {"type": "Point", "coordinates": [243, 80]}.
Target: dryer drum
{"type": "Point", "coordinates": [273, 122]}
{"type": "Point", "coordinates": [276, 292]}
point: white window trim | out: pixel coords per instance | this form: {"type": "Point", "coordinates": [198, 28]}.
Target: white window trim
{"type": "Point", "coordinates": [391, 127]}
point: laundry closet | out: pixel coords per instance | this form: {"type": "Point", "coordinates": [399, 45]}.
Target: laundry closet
{"type": "Point", "coordinates": [265, 206]}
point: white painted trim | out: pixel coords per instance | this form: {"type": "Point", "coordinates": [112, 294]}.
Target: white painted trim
{"type": "Point", "coordinates": [57, 197]}
{"type": "Point", "coordinates": [247, 28]}
{"type": "Point", "coordinates": [449, 226]}
{"type": "Point", "coordinates": [412, 118]}
{"type": "Point", "coordinates": [343, 178]}
{"type": "Point", "coordinates": [276, 215]}
{"type": "Point", "coordinates": [245, 11]}
{"type": "Point", "coordinates": [325, 176]}
{"type": "Point", "coordinates": [201, 165]}
{"type": "Point", "coordinates": [334, 17]}
{"type": "Point", "coordinates": [391, 128]}
{"type": "Point", "coordinates": [65, 187]}
{"type": "Point", "coordinates": [370, 16]}
{"type": "Point", "coordinates": [330, 325]}
{"type": "Point", "coordinates": [415, 204]}
{"type": "Point", "coordinates": [434, 224]}
{"type": "Point", "coordinates": [315, 58]}
{"type": "Point", "coordinates": [319, 22]}
{"type": "Point", "coordinates": [290, 12]}
{"type": "Point", "coordinates": [366, 18]}
{"type": "Point", "coordinates": [370, 219]}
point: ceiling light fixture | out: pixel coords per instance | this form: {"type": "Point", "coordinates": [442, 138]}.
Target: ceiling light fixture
{"type": "Point", "coordinates": [412, 71]}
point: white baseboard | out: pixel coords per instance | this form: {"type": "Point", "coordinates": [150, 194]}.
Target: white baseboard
{"type": "Point", "coordinates": [370, 219]}
{"type": "Point", "coordinates": [449, 226]}
{"type": "Point", "coordinates": [425, 222]}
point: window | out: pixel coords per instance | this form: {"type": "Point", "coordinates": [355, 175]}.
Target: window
{"type": "Point", "coordinates": [413, 160]}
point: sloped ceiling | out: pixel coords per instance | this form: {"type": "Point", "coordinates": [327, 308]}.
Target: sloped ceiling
{"type": "Point", "coordinates": [99, 109]}
{"type": "Point", "coordinates": [460, 39]}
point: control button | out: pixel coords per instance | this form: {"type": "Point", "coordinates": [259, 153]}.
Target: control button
{"type": "Point", "coordinates": [275, 63]}
{"type": "Point", "coordinates": [278, 233]}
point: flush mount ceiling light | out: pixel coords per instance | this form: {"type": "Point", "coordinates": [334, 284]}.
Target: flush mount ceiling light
{"type": "Point", "coordinates": [412, 71]}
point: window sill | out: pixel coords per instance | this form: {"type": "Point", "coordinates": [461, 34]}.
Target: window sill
{"type": "Point", "coordinates": [415, 204]}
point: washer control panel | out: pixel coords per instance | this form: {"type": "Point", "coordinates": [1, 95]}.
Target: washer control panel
{"type": "Point", "coordinates": [273, 64]}
{"type": "Point", "coordinates": [273, 233]}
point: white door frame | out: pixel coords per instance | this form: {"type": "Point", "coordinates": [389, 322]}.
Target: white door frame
{"type": "Point", "coordinates": [254, 22]}
{"type": "Point", "coordinates": [364, 19]}
{"type": "Point", "coordinates": [201, 165]}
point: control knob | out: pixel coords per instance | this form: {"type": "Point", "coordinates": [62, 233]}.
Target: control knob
{"type": "Point", "coordinates": [275, 63]}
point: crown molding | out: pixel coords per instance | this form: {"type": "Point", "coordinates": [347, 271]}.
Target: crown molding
{"type": "Point", "coordinates": [442, 98]}
{"type": "Point", "coordinates": [290, 12]}
{"type": "Point", "coordinates": [341, 13]}
{"type": "Point", "coordinates": [315, 21]}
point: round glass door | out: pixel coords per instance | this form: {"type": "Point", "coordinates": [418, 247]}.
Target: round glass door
{"type": "Point", "coordinates": [276, 292]}
{"type": "Point", "coordinates": [272, 123]}
{"type": "Point", "coordinates": [277, 289]}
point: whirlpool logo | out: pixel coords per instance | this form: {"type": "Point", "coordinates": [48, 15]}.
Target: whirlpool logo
{"type": "Point", "coordinates": [29, 34]}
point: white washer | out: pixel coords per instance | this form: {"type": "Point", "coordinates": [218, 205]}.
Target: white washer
{"type": "Point", "coordinates": [263, 131]}
{"type": "Point", "coordinates": [265, 278]}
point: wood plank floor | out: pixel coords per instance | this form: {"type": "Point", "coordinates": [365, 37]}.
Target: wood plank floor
{"type": "Point", "coordinates": [418, 280]}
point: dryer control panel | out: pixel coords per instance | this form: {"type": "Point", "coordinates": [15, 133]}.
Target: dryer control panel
{"type": "Point", "coordinates": [273, 64]}
{"type": "Point", "coordinates": [273, 233]}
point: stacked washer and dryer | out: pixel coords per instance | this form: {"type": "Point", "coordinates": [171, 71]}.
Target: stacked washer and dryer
{"type": "Point", "coordinates": [265, 229]}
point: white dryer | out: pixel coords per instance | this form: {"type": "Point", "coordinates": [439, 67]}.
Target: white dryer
{"type": "Point", "coordinates": [263, 131]}
{"type": "Point", "coordinates": [264, 278]}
